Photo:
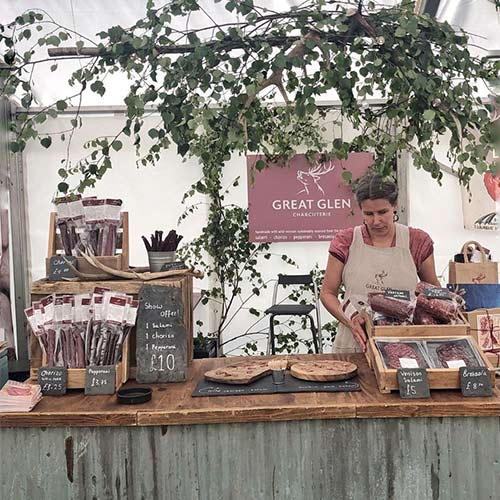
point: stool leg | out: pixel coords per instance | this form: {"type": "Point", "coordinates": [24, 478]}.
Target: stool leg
{"type": "Point", "coordinates": [271, 335]}
{"type": "Point", "coordinates": [314, 334]}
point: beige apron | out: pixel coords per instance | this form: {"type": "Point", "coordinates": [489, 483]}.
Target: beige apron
{"type": "Point", "coordinates": [373, 269]}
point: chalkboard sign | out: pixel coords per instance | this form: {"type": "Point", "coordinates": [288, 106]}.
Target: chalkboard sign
{"type": "Point", "coordinates": [397, 294]}
{"type": "Point", "coordinates": [53, 381]}
{"type": "Point", "coordinates": [173, 266]}
{"type": "Point", "coordinates": [438, 293]}
{"type": "Point", "coordinates": [413, 383]}
{"type": "Point", "coordinates": [475, 381]}
{"type": "Point", "coordinates": [161, 338]}
{"type": "Point", "coordinates": [100, 380]}
{"type": "Point", "coordinates": [59, 269]}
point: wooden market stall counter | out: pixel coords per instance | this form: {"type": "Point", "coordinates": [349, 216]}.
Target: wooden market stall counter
{"type": "Point", "coordinates": [281, 446]}
{"type": "Point", "coordinates": [172, 404]}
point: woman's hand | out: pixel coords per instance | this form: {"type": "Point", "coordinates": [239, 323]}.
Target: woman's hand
{"type": "Point", "coordinates": [357, 328]}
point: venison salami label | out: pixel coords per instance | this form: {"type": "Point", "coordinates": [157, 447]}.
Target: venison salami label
{"type": "Point", "coordinates": [413, 383]}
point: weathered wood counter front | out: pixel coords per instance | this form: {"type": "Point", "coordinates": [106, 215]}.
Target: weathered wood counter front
{"type": "Point", "coordinates": [303, 446]}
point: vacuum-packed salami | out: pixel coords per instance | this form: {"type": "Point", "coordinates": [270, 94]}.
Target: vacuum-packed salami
{"type": "Point", "coordinates": [393, 308]}
{"type": "Point", "coordinates": [443, 310]}
{"type": "Point", "coordinates": [402, 354]}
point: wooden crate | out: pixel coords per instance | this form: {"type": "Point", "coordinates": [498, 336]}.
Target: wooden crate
{"type": "Point", "coordinates": [119, 261]}
{"type": "Point", "coordinates": [404, 331]}
{"type": "Point", "coordinates": [76, 376]}
{"type": "Point", "coordinates": [439, 378]}
{"type": "Point", "coordinates": [42, 288]}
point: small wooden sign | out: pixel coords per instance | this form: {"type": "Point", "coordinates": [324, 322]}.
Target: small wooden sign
{"type": "Point", "coordinates": [53, 381]}
{"type": "Point", "coordinates": [161, 337]}
{"type": "Point", "coordinates": [413, 383]}
{"type": "Point", "coordinates": [173, 266]}
{"type": "Point", "coordinates": [100, 380]}
{"type": "Point", "coordinates": [475, 381]}
{"type": "Point", "coordinates": [438, 293]}
{"type": "Point", "coordinates": [59, 269]}
{"type": "Point", "coordinates": [397, 294]}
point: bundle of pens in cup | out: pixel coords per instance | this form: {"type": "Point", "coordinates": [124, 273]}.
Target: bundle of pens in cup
{"type": "Point", "coordinates": [88, 224]}
{"type": "Point", "coordinates": [75, 331]}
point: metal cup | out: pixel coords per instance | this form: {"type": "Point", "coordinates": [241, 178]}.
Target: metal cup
{"type": "Point", "coordinates": [278, 376]}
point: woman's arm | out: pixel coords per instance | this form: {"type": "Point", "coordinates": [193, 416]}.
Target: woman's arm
{"type": "Point", "coordinates": [329, 298]}
{"type": "Point", "coordinates": [427, 271]}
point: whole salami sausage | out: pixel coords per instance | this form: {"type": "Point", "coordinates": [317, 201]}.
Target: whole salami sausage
{"type": "Point", "coordinates": [394, 308]}
{"type": "Point", "coordinates": [444, 310]}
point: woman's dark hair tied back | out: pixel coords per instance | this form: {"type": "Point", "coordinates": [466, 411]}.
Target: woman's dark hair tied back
{"type": "Point", "coordinates": [373, 186]}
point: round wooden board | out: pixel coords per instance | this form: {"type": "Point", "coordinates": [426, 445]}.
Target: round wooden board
{"type": "Point", "coordinates": [324, 371]}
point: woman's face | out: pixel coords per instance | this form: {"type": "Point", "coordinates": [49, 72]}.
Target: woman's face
{"type": "Point", "coordinates": [378, 215]}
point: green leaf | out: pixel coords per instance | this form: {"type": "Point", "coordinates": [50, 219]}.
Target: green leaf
{"type": "Point", "coordinates": [63, 187]}
{"type": "Point", "coordinates": [46, 141]}
{"type": "Point", "coordinates": [116, 145]}
{"type": "Point", "coordinates": [15, 147]}
{"type": "Point", "coordinates": [347, 176]}
{"type": "Point", "coordinates": [429, 115]}
{"type": "Point", "coordinates": [400, 32]}
{"type": "Point", "coordinates": [153, 133]}
{"type": "Point", "coordinates": [62, 173]}
{"type": "Point", "coordinates": [61, 105]}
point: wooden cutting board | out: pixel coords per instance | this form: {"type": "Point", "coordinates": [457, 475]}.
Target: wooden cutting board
{"type": "Point", "coordinates": [239, 373]}
{"type": "Point", "coordinates": [324, 371]}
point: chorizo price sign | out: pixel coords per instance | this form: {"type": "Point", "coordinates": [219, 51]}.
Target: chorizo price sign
{"type": "Point", "coordinates": [53, 381]}
{"type": "Point", "coordinates": [161, 338]}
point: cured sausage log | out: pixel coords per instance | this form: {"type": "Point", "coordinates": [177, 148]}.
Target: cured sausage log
{"type": "Point", "coordinates": [423, 286]}
{"type": "Point", "coordinates": [394, 308]}
{"type": "Point", "coordinates": [443, 310]}
{"type": "Point", "coordinates": [421, 317]}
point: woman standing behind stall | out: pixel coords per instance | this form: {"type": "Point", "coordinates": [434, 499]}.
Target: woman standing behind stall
{"type": "Point", "coordinates": [378, 255]}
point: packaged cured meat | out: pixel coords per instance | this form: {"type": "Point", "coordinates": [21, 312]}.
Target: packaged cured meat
{"type": "Point", "coordinates": [446, 311]}
{"type": "Point", "coordinates": [397, 353]}
{"type": "Point", "coordinates": [399, 309]}
{"type": "Point", "coordinates": [453, 353]}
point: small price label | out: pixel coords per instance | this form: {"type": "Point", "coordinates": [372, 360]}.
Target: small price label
{"type": "Point", "coordinates": [397, 294]}
{"type": "Point", "coordinates": [413, 383]}
{"type": "Point", "coordinates": [53, 381]}
{"type": "Point", "coordinates": [438, 293]}
{"type": "Point", "coordinates": [59, 268]}
{"type": "Point", "coordinates": [100, 380]}
{"type": "Point", "coordinates": [475, 382]}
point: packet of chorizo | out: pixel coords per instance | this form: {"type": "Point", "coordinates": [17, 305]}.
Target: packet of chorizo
{"type": "Point", "coordinates": [397, 353]}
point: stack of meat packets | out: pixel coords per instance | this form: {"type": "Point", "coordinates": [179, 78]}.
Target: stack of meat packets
{"type": "Point", "coordinates": [76, 331]}
{"type": "Point", "coordinates": [19, 397]}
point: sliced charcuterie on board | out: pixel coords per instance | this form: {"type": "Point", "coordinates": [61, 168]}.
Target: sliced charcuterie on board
{"type": "Point", "coordinates": [239, 373]}
{"type": "Point", "coordinates": [324, 371]}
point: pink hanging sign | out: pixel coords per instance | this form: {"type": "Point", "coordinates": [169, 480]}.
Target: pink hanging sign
{"type": "Point", "coordinates": [303, 201]}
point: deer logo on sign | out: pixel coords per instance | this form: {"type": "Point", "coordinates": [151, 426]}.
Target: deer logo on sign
{"type": "Point", "coordinates": [479, 278]}
{"type": "Point", "coordinates": [311, 177]}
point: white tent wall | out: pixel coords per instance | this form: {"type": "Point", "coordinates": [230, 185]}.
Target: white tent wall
{"type": "Point", "coordinates": [152, 196]}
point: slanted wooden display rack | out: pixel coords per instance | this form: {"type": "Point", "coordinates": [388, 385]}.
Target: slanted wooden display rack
{"type": "Point", "coordinates": [439, 378]}
{"type": "Point", "coordinates": [125, 369]}
{"type": "Point", "coordinates": [119, 261]}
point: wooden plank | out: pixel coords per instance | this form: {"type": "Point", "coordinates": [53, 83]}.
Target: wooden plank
{"type": "Point", "coordinates": [52, 235]}
{"type": "Point", "coordinates": [125, 241]}
{"type": "Point", "coordinates": [44, 287]}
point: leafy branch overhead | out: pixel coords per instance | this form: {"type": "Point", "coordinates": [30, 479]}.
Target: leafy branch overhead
{"type": "Point", "coordinates": [219, 85]}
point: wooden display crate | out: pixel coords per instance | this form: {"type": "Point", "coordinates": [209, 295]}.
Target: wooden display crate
{"type": "Point", "coordinates": [404, 331]}
{"type": "Point", "coordinates": [76, 376]}
{"type": "Point", "coordinates": [43, 288]}
{"type": "Point", "coordinates": [119, 261]}
{"type": "Point", "coordinates": [439, 378]}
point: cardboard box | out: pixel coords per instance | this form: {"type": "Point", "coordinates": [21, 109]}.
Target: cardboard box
{"type": "Point", "coordinates": [485, 327]}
